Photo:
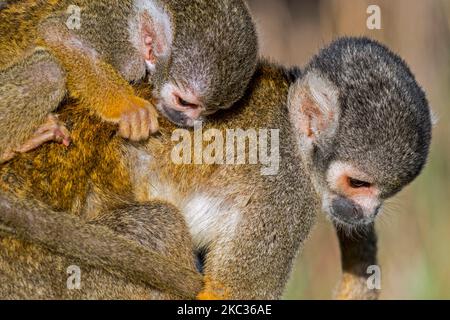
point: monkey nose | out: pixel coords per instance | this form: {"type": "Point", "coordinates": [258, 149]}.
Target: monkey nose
{"type": "Point", "coordinates": [346, 210]}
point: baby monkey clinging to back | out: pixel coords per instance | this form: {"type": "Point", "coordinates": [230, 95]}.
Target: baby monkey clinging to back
{"type": "Point", "coordinates": [198, 58]}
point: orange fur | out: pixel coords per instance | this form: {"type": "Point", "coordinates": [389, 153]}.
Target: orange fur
{"type": "Point", "coordinates": [213, 290]}
{"type": "Point", "coordinates": [91, 79]}
{"type": "Point", "coordinates": [346, 287]}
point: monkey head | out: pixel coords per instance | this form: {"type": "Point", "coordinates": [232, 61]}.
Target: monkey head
{"type": "Point", "coordinates": [200, 59]}
{"type": "Point", "coordinates": [363, 127]}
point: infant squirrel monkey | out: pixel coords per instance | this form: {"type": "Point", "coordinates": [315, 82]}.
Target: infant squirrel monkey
{"type": "Point", "coordinates": [197, 56]}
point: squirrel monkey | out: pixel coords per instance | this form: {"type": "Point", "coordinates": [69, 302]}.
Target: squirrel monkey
{"type": "Point", "coordinates": [198, 57]}
{"type": "Point", "coordinates": [355, 129]}
{"type": "Point", "coordinates": [344, 149]}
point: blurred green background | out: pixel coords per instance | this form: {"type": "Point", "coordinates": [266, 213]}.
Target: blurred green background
{"type": "Point", "coordinates": [414, 229]}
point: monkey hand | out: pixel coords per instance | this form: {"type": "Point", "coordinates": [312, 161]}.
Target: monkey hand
{"type": "Point", "coordinates": [213, 290]}
{"type": "Point", "coordinates": [354, 287]}
{"type": "Point", "coordinates": [139, 120]}
{"type": "Point", "coordinates": [51, 130]}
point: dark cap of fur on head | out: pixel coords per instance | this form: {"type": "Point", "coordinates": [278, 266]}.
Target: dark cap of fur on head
{"type": "Point", "coordinates": [222, 68]}
{"type": "Point", "coordinates": [385, 122]}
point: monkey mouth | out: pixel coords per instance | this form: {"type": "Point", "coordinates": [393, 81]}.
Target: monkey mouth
{"type": "Point", "coordinates": [347, 222]}
{"type": "Point", "coordinates": [175, 117]}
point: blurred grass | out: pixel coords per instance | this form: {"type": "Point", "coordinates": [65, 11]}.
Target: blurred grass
{"type": "Point", "coordinates": [414, 230]}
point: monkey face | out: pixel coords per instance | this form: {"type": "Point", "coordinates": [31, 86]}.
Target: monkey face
{"type": "Point", "coordinates": [180, 105]}
{"type": "Point", "coordinates": [213, 57]}
{"type": "Point", "coordinates": [364, 127]}
{"type": "Point", "coordinates": [199, 86]}
{"type": "Point", "coordinates": [350, 197]}
{"type": "Point", "coordinates": [198, 56]}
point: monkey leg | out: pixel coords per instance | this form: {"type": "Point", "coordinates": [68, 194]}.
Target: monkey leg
{"type": "Point", "coordinates": [29, 91]}
{"type": "Point", "coordinates": [29, 271]}
{"type": "Point", "coordinates": [161, 228]}
{"type": "Point", "coordinates": [37, 246]}
{"type": "Point", "coordinates": [358, 253]}
{"type": "Point", "coordinates": [51, 130]}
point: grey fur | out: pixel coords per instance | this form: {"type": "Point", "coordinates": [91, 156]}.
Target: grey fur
{"type": "Point", "coordinates": [31, 102]}
{"type": "Point", "coordinates": [231, 62]}
{"type": "Point", "coordinates": [133, 230]}
{"type": "Point", "coordinates": [385, 125]}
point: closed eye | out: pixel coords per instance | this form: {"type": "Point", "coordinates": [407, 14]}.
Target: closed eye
{"type": "Point", "coordinates": [185, 103]}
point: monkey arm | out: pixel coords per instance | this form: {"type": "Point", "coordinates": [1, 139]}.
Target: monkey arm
{"type": "Point", "coordinates": [100, 247]}
{"type": "Point", "coordinates": [358, 252]}
{"type": "Point", "coordinates": [97, 84]}
{"type": "Point", "coordinates": [29, 91]}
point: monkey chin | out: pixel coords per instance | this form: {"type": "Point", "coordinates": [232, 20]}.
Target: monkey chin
{"type": "Point", "coordinates": [347, 215]}
{"type": "Point", "coordinates": [176, 117]}
{"type": "Point", "coordinates": [348, 224]}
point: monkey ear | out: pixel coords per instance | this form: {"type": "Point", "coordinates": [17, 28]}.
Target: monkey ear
{"type": "Point", "coordinates": [314, 109]}
{"type": "Point", "coordinates": [154, 41]}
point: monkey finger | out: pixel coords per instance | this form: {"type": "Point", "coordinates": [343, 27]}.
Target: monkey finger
{"type": "Point", "coordinates": [61, 133]}
{"type": "Point", "coordinates": [153, 119]}
{"type": "Point", "coordinates": [65, 134]}
{"type": "Point", "coordinates": [6, 156]}
{"type": "Point", "coordinates": [48, 126]}
{"type": "Point", "coordinates": [135, 126]}
{"type": "Point", "coordinates": [36, 141]}
{"type": "Point", "coordinates": [62, 137]}
{"type": "Point", "coordinates": [124, 127]}
{"type": "Point", "coordinates": [145, 123]}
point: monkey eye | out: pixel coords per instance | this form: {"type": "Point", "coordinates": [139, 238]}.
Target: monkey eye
{"type": "Point", "coordinates": [357, 184]}
{"type": "Point", "coordinates": [185, 103]}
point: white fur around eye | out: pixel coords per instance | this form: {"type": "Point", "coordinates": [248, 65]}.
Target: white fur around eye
{"type": "Point", "coordinates": [337, 169]}
{"type": "Point", "coordinates": [369, 201]}
{"type": "Point", "coordinates": [166, 94]}
{"type": "Point", "coordinates": [334, 172]}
